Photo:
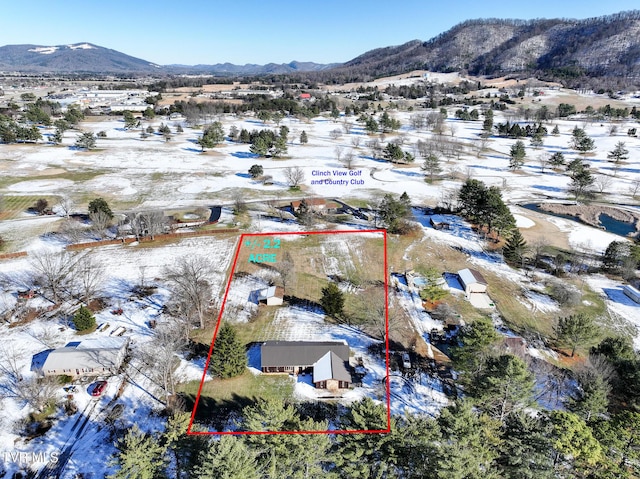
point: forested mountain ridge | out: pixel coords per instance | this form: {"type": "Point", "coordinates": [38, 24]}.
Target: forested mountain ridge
{"type": "Point", "coordinates": [601, 46]}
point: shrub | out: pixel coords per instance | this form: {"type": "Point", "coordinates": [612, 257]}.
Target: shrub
{"type": "Point", "coordinates": [84, 320]}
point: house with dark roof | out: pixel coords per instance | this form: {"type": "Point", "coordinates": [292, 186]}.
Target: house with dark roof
{"type": "Point", "coordinates": [327, 361]}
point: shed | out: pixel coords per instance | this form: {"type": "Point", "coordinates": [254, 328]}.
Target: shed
{"type": "Point", "coordinates": [92, 357]}
{"type": "Point", "coordinates": [272, 296]}
{"type": "Point", "coordinates": [472, 281]}
{"type": "Point", "coordinates": [632, 293]}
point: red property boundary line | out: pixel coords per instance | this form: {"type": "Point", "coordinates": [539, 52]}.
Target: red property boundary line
{"type": "Point", "coordinates": [215, 333]}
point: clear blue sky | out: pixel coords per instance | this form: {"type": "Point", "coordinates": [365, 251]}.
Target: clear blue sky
{"type": "Point", "coordinates": [262, 31]}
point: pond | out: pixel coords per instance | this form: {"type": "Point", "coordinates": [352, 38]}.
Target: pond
{"type": "Point", "coordinates": [618, 227]}
{"type": "Point", "coordinates": [612, 225]}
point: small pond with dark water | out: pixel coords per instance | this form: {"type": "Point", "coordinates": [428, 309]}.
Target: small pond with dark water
{"type": "Point", "coordinates": [612, 225]}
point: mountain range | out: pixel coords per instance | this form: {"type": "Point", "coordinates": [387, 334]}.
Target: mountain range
{"type": "Point", "coordinates": [600, 46]}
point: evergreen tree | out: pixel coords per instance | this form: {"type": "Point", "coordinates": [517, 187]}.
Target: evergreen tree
{"type": "Point", "coordinates": [537, 140]}
{"type": "Point", "coordinates": [525, 447]}
{"type": "Point", "coordinates": [580, 141]}
{"type": "Point", "coordinates": [228, 358]}
{"type": "Point", "coordinates": [557, 159]}
{"type": "Point", "coordinates": [304, 213]}
{"type": "Point", "coordinates": [226, 458]}
{"type": "Point", "coordinates": [86, 141]}
{"type": "Point", "coordinates": [84, 319]}
{"type": "Point", "coordinates": [469, 445]}
{"type": "Point", "coordinates": [260, 147]}
{"type": "Point", "coordinates": [619, 154]}
{"type": "Point", "coordinates": [573, 441]}
{"type": "Point", "coordinates": [212, 136]}
{"type": "Point", "coordinates": [620, 439]}
{"type": "Point", "coordinates": [592, 397]}
{"type": "Point", "coordinates": [475, 343]}
{"type": "Point", "coordinates": [139, 456]}
{"type": "Point", "coordinates": [303, 138]}
{"type": "Point", "coordinates": [256, 171]}
{"type": "Point", "coordinates": [99, 205]}
{"type": "Point", "coordinates": [56, 138]}
{"type": "Point", "coordinates": [555, 131]}
{"type": "Point", "coordinates": [183, 447]}
{"type": "Point", "coordinates": [431, 165]}
{"type": "Point", "coordinates": [332, 300]}
{"type": "Point", "coordinates": [515, 248]}
{"type": "Point", "coordinates": [394, 213]}
{"type": "Point", "coordinates": [517, 155]}
{"type": "Point", "coordinates": [286, 455]}
{"type": "Point", "coordinates": [581, 181]}
{"type": "Point", "coordinates": [130, 121]}
{"type": "Point", "coordinates": [364, 456]}
{"type": "Point", "coordinates": [576, 330]}
{"type": "Point", "coordinates": [279, 147]}
{"type": "Point", "coordinates": [371, 126]}
{"type": "Point", "coordinates": [504, 385]}
{"type": "Point", "coordinates": [615, 256]}
{"type": "Point", "coordinates": [433, 291]}
{"type": "Point", "coordinates": [487, 124]}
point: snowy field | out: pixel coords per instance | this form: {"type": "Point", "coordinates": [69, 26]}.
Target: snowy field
{"type": "Point", "coordinates": [153, 172]}
{"type": "Point", "coordinates": [139, 397]}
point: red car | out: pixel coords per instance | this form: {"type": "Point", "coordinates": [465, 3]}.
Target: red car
{"type": "Point", "coordinates": [99, 388]}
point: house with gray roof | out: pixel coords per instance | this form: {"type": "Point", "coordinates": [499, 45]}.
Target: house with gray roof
{"type": "Point", "coordinates": [92, 357]}
{"type": "Point", "coordinates": [327, 360]}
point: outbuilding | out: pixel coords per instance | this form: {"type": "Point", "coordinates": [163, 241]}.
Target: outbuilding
{"type": "Point", "coordinates": [472, 281]}
{"type": "Point", "coordinates": [271, 296]}
{"type": "Point", "coordinates": [632, 293]}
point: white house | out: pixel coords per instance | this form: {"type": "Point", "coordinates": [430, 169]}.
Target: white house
{"type": "Point", "coordinates": [92, 357]}
{"type": "Point", "coordinates": [472, 281]}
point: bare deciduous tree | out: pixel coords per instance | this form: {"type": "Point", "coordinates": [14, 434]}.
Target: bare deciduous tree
{"type": "Point", "coordinates": [375, 146]}
{"type": "Point", "coordinates": [53, 271]}
{"type": "Point", "coordinates": [100, 221]}
{"type": "Point", "coordinates": [355, 141]}
{"type": "Point", "coordinates": [161, 356]}
{"type": "Point", "coordinates": [66, 205]}
{"type": "Point", "coordinates": [88, 276]}
{"type": "Point", "coordinates": [239, 203]}
{"type": "Point", "coordinates": [275, 210]}
{"type": "Point", "coordinates": [189, 282]}
{"type": "Point", "coordinates": [36, 392]}
{"type": "Point", "coordinates": [543, 161]}
{"type": "Point", "coordinates": [71, 230]}
{"type": "Point", "coordinates": [348, 159]}
{"type": "Point", "coordinates": [338, 150]}
{"type": "Point", "coordinates": [286, 268]}
{"type": "Point", "coordinates": [294, 176]}
{"type": "Point", "coordinates": [347, 126]}
{"type": "Point", "coordinates": [147, 223]}
{"type": "Point", "coordinates": [602, 182]}
{"type": "Point", "coordinates": [335, 134]}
